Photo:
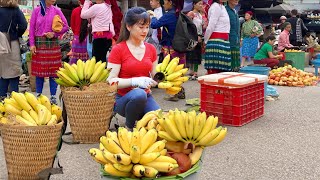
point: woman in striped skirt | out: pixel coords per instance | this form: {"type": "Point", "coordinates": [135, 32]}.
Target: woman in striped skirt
{"type": "Point", "coordinates": [44, 45]}
{"type": "Point", "coordinates": [218, 53]}
{"type": "Point", "coordinates": [79, 27]}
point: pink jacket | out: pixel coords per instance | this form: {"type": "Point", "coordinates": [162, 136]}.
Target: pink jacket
{"type": "Point", "coordinates": [284, 41]}
{"type": "Point", "coordinates": [100, 15]}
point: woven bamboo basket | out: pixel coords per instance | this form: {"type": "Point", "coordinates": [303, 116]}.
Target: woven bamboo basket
{"type": "Point", "coordinates": [29, 149]}
{"type": "Point", "coordinates": [89, 111]}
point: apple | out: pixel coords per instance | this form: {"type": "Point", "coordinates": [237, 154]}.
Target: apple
{"type": "Point", "coordinates": [271, 81]}
{"type": "Point", "coordinates": [272, 76]}
{"type": "Point", "coordinates": [277, 79]}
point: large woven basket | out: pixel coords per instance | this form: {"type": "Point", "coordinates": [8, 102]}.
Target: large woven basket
{"type": "Point", "coordinates": [29, 149]}
{"type": "Point", "coordinates": [89, 111]}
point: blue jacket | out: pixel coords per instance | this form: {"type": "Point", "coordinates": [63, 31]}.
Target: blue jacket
{"type": "Point", "coordinates": [234, 35]}
{"type": "Point", "coordinates": [168, 21]}
{"type": "Point", "coordinates": [18, 25]}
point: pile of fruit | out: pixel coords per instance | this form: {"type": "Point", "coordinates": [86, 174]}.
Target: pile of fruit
{"type": "Point", "coordinates": [25, 109]}
{"type": "Point", "coordinates": [82, 73]}
{"type": "Point", "coordinates": [171, 75]}
{"type": "Point", "coordinates": [290, 76]}
{"type": "Point", "coordinates": [292, 50]}
{"type": "Point", "coordinates": [133, 154]}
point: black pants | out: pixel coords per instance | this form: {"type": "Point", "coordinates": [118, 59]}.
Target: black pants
{"type": "Point", "coordinates": [100, 48]}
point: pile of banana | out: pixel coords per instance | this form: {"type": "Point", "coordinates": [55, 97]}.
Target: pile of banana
{"type": "Point", "coordinates": [82, 73]}
{"type": "Point", "coordinates": [133, 154]}
{"type": "Point", "coordinates": [171, 75]}
{"type": "Point", "coordinates": [176, 125]}
{"type": "Point", "coordinates": [25, 109]}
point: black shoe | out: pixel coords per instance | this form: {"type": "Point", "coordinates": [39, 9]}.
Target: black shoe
{"type": "Point", "coordinates": [181, 94]}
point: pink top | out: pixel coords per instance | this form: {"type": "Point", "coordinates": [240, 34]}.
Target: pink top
{"type": "Point", "coordinates": [42, 24]}
{"type": "Point", "coordinates": [100, 15]}
{"type": "Point", "coordinates": [284, 41]}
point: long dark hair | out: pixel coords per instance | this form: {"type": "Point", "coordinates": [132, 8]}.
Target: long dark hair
{"type": "Point", "coordinates": [133, 16]}
{"type": "Point", "coordinates": [83, 30]}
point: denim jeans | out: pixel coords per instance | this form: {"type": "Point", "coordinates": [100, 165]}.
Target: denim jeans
{"type": "Point", "coordinates": [134, 105]}
{"type": "Point", "coordinates": [4, 85]}
{"type": "Point", "coordinates": [39, 85]}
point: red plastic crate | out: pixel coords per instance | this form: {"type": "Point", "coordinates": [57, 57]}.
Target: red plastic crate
{"type": "Point", "coordinates": [233, 106]}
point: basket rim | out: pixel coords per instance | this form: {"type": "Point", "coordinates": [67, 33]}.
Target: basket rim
{"type": "Point", "coordinates": [17, 126]}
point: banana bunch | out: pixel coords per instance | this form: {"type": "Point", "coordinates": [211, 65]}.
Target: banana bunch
{"type": "Point", "coordinates": [176, 125]}
{"type": "Point", "coordinates": [133, 154]}
{"type": "Point", "coordinates": [173, 74]}
{"type": "Point", "coordinates": [82, 73]}
{"type": "Point", "coordinates": [29, 111]}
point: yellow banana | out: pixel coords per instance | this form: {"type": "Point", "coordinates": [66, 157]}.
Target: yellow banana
{"type": "Point", "coordinates": [135, 154]}
{"type": "Point", "coordinates": [184, 71]}
{"type": "Point", "coordinates": [207, 127]}
{"type": "Point", "coordinates": [172, 92]}
{"type": "Point", "coordinates": [109, 156]}
{"type": "Point", "coordinates": [129, 137]}
{"type": "Point", "coordinates": [165, 85]}
{"type": "Point", "coordinates": [27, 116]}
{"type": "Point", "coordinates": [163, 166]}
{"type": "Point", "coordinates": [75, 67]}
{"type": "Point", "coordinates": [53, 120]}
{"type": "Point", "coordinates": [104, 75]}
{"type": "Point", "coordinates": [123, 139]}
{"type": "Point", "coordinates": [158, 67]}
{"type": "Point", "coordinates": [198, 125]}
{"type": "Point", "coordinates": [159, 128]}
{"type": "Point", "coordinates": [157, 146]}
{"type": "Point", "coordinates": [189, 124]}
{"type": "Point", "coordinates": [94, 78]}
{"type": "Point", "coordinates": [113, 136]}
{"type": "Point", "coordinates": [86, 68]}
{"type": "Point", "coordinates": [1, 108]}
{"type": "Point", "coordinates": [101, 147]}
{"type": "Point", "coordinates": [149, 157]}
{"type": "Point", "coordinates": [179, 67]}
{"type": "Point", "coordinates": [21, 101]}
{"type": "Point", "coordinates": [61, 82]}
{"type": "Point", "coordinates": [219, 138]}
{"type": "Point", "coordinates": [215, 122]}
{"type": "Point", "coordinates": [91, 68]}
{"type": "Point", "coordinates": [138, 170]}
{"type": "Point", "coordinates": [166, 136]}
{"type": "Point", "coordinates": [145, 119]}
{"type": "Point", "coordinates": [180, 122]}
{"type": "Point", "coordinates": [183, 79]}
{"type": "Point", "coordinates": [171, 127]}
{"type": "Point", "coordinates": [48, 117]}
{"type": "Point", "coordinates": [123, 168]}
{"type": "Point", "coordinates": [66, 78]}
{"type": "Point", "coordinates": [114, 172]}
{"type": "Point", "coordinates": [176, 83]}
{"type": "Point", "coordinates": [136, 140]}
{"type": "Point", "coordinates": [123, 158]}
{"type": "Point", "coordinates": [152, 124]}
{"type": "Point", "coordinates": [4, 120]}
{"type": "Point", "coordinates": [196, 155]}
{"type": "Point", "coordinates": [172, 65]}
{"type": "Point", "coordinates": [178, 89]}
{"type": "Point", "coordinates": [80, 69]}
{"type": "Point", "coordinates": [97, 65]}
{"type": "Point", "coordinates": [32, 100]}
{"type": "Point", "coordinates": [71, 72]}
{"type": "Point", "coordinates": [44, 100]}
{"type": "Point", "coordinates": [150, 172]}
{"type": "Point", "coordinates": [148, 139]}
{"type": "Point", "coordinates": [96, 154]}
{"type": "Point", "coordinates": [142, 131]}
{"type": "Point", "coordinates": [9, 108]}
{"type": "Point", "coordinates": [165, 63]}
{"type": "Point", "coordinates": [173, 76]}
{"type": "Point", "coordinates": [56, 110]}
{"type": "Point", "coordinates": [23, 121]}
{"type": "Point", "coordinates": [34, 116]}
{"type": "Point", "coordinates": [165, 159]}
{"type": "Point", "coordinates": [13, 103]}
{"type": "Point", "coordinates": [111, 145]}
{"type": "Point", "coordinates": [209, 137]}
{"type": "Point", "coordinates": [163, 152]}
{"type": "Point", "coordinates": [42, 114]}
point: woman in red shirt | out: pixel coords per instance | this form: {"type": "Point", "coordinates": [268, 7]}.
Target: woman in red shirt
{"type": "Point", "coordinates": [79, 28]}
{"type": "Point", "coordinates": [133, 62]}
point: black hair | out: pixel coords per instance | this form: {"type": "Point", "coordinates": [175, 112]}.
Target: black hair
{"type": "Point", "coordinates": [196, 1]}
{"type": "Point", "coordinates": [83, 30]}
{"type": "Point", "coordinates": [285, 24]}
{"type": "Point", "coordinates": [294, 12]}
{"type": "Point", "coordinates": [133, 16]}
{"type": "Point", "coordinates": [270, 38]}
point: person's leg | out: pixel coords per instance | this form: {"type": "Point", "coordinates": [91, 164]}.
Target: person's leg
{"type": "Point", "coordinates": [151, 105]}
{"type": "Point", "coordinates": [195, 69]}
{"type": "Point", "coordinates": [243, 59]}
{"type": "Point", "coordinates": [14, 84]}
{"type": "Point", "coordinates": [39, 85]}
{"type": "Point", "coordinates": [132, 106]}
{"type": "Point", "coordinates": [4, 84]}
{"type": "Point", "coordinates": [100, 48]}
{"type": "Point", "coordinates": [269, 62]}
{"type": "Point", "coordinates": [53, 90]}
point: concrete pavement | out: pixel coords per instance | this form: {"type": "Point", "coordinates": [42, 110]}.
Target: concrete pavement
{"type": "Point", "coordinates": [283, 144]}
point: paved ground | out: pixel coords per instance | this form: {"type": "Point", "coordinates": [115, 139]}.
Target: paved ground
{"type": "Point", "coordinates": [283, 144]}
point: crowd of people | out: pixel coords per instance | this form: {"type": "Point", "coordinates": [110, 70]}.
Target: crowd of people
{"type": "Point", "coordinates": [221, 37]}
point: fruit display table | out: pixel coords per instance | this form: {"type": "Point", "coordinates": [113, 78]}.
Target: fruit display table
{"type": "Point", "coordinates": [297, 58]}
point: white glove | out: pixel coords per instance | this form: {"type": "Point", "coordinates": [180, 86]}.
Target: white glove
{"type": "Point", "coordinates": [143, 82]}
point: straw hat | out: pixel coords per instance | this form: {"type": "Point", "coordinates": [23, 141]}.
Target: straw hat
{"type": "Point", "coordinates": [9, 3]}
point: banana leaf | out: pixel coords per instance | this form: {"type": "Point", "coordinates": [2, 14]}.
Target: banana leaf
{"type": "Point", "coordinates": [195, 168]}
